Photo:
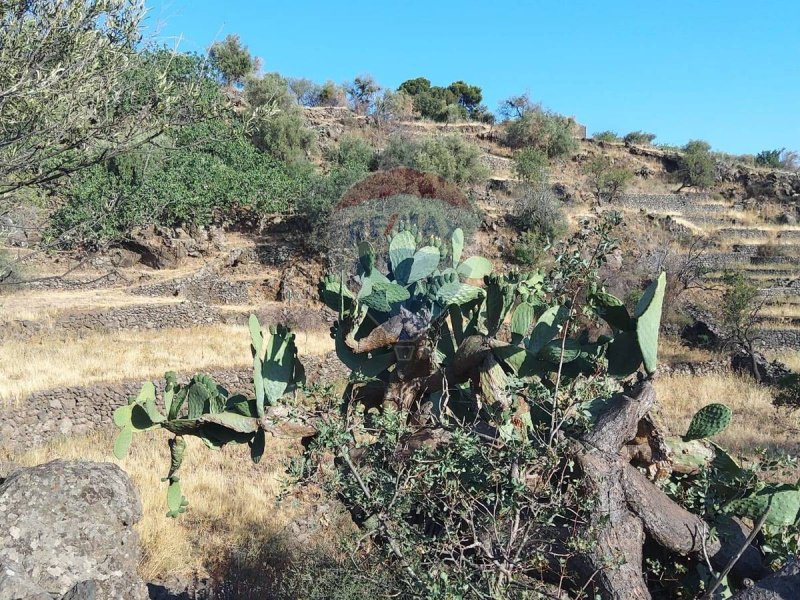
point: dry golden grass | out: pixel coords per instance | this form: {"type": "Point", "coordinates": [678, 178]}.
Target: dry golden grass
{"type": "Point", "coordinates": [791, 358]}
{"type": "Point", "coordinates": [234, 506]}
{"type": "Point", "coordinates": [756, 422]}
{"type": "Point", "coordinates": [44, 305]}
{"type": "Point", "coordinates": [671, 351]}
{"type": "Point", "coordinates": [42, 362]}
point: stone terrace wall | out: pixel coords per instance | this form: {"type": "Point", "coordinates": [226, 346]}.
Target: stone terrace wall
{"type": "Point", "coordinates": [667, 202]}
{"type": "Point", "coordinates": [50, 414]}
{"type": "Point", "coordinates": [144, 316]}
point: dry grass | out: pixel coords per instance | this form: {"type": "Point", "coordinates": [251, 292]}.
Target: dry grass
{"type": "Point", "coordinates": [791, 358]}
{"type": "Point", "coordinates": [43, 362]}
{"type": "Point", "coordinates": [234, 517]}
{"type": "Point", "coordinates": [756, 422]}
{"type": "Point", "coordinates": [44, 305]}
{"type": "Point", "coordinates": [671, 351]}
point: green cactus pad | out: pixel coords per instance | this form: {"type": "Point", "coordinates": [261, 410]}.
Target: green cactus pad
{"type": "Point", "coordinates": [402, 246]}
{"type": "Point", "coordinates": [123, 442]}
{"type": "Point", "coordinates": [419, 266]}
{"type": "Point", "coordinates": [624, 355]}
{"type": "Point", "coordinates": [782, 502]}
{"type": "Point", "coordinates": [648, 322]}
{"type": "Point", "coordinates": [232, 421]}
{"type": "Point", "coordinates": [475, 267]}
{"type": "Point", "coordinates": [457, 240]}
{"type": "Point", "coordinates": [457, 293]}
{"type": "Point", "coordinates": [521, 321]}
{"type": "Point", "coordinates": [546, 327]}
{"type": "Point", "coordinates": [612, 310]}
{"type": "Point", "coordinates": [709, 421]}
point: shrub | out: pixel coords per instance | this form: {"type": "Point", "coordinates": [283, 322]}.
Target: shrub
{"type": "Point", "coordinates": [769, 158]}
{"type": "Point", "coordinates": [639, 137]}
{"type": "Point", "coordinates": [232, 60]}
{"type": "Point", "coordinates": [606, 136]}
{"type": "Point", "coordinates": [332, 95]}
{"type": "Point", "coordinates": [394, 106]}
{"type": "Point", "coordinates": [452, 157]}
{"type": "Point", "coordinates": [607, 181]}
{"type": "Point", "coordinates": [353, 152]}
{"type": "Point", "coordinates": [449, 156]}
{"type": "Point", "coordinates": [531, 165]}
{"type": "Point", "coordinates": [695, 166]}
{"type": "Point", "coordinates": [538, 210]}
{"type": "Point", "coordinates": [530, 248]}
{"type": "Point", "coordinates": [211, 174]}
{"type": "Point", "coordinates": [549, 132]}
{"type": "Point", "coordinates": [788, 391]}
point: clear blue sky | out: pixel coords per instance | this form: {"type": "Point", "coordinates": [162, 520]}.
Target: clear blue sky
{"type": "Point", "coordinates": [724, 71]}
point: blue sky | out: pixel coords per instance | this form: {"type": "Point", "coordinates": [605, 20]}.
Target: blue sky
{"type": "Point", "coordinates": [724, 71]}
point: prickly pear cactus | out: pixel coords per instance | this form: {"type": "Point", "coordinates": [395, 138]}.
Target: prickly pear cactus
{"type": "Point", "coordinates": [781, 504]}
{"type": "Point", "coordinates": [204, 409]}
{"type": "Point", "coordinates": [708, 422]}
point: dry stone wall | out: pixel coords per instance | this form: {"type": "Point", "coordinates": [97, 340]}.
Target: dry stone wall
{"type": "Point", "coordinates": [55, 413]}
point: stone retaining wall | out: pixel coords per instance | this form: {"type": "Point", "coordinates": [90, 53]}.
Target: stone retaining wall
{"type": "Point", "coordinates": [50, 414]}
{"type": "Point", "coordinates": [664, 202]}
{"type": "Point", "coordinates": [141, 316]}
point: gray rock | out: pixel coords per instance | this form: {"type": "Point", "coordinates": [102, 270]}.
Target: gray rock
{"type": "Point", "coordinates": [70, 521]}
{"type": "Point", "coordinates": [16, 585]}
{"type": "Point", "coordinates": [85, 590]}
{"type": "Point", "coordinates": [783, 585]}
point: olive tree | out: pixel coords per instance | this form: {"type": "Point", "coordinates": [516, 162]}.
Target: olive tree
{"type": "Point", "coordinates": [68, 94]}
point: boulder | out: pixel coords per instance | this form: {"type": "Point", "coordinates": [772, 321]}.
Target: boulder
{"type": "Point", "coordinates": [783, 585]}
{"type": "Point", "coordinates": [700, 335]}
{"type": "Point", "coordinates": [770, 373]}
{"type": "Point", "coordinates": [67, 522]}
{"type": "Point", "coordinates": [15, 584]}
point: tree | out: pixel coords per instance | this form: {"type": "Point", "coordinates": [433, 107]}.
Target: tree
{"type": "Point", "coordinates": [607, 181]}
{"type": "Point", "coordinates": [306, 91]}
{"type": "Point", "coordinates": [73, 90]}
{"type": "Point", "coordinates": [741, 307]}
{"type": "Point", "coordinates": [514, 107]}
{"type": "Point", "coordinates": [468, 96]}
{"type": "Point", "coordinates": [695, 166]}
{"type": "Point", "coordinates": [639, 137]}
{"type": "Point", "coordinates": [361, 93]}
{"type": "Point", "coordinates": [415, 87]}
{"type": "Point", "coordinates": [232, 60]}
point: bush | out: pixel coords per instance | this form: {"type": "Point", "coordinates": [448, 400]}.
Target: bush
{"type": "Point", "coordinates": [530, 248]}
{"type": "Point", "coordinates": [789, 391]}
{"type": "Point", "coordinates": [549, 132]}
{"type": "Point", "coordinates": [639, 137]}
{"type": "Point", "coordinates": [695, 166]}
{"type": "Point", "coordinates": [606, 136]}
{"type": "Point", "coordinates": [353, 152]}
{"type": "Point", "coordinates": [449, 156]}
{"type": "Point", "coordinates": [453, 158]}
{"type": "Point", "coordinates": [531, 165]}
{"type": "Point", "coordinates": [769, 158]}
{"type": "Point", "coordinates": [278, 124]}
{"type": "Point", "coordinates": [607, 181]}
{"type": "Point", "coordinates": [538, 211]}
{"type": "Point", "coordinates": [211, 174]}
